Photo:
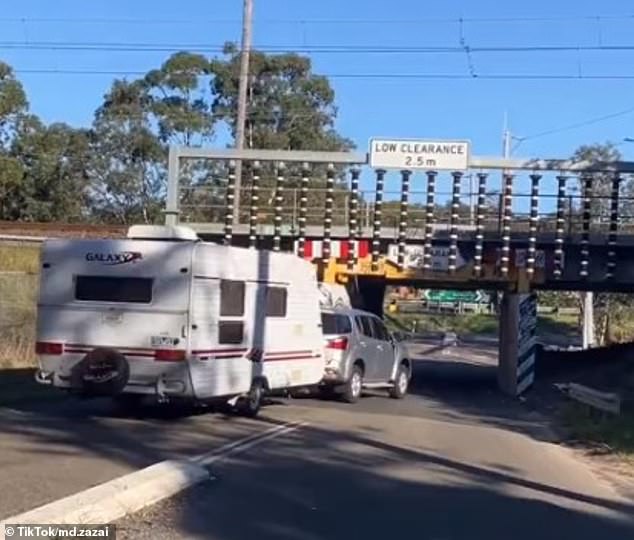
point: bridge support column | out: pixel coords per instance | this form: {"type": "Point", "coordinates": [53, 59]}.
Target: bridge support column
{"type": "Point", "coordinates": [518, 329]}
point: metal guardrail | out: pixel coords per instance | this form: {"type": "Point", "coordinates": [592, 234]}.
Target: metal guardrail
{"type": "Point", "coordinates": [604, 401]}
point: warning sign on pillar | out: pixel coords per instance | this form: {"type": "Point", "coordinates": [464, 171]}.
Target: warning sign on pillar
{"type": "Point", "coordinates": [526, 342]}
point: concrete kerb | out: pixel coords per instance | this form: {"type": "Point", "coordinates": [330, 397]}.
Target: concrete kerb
{"type": "Point", "coordinates": [128, 494]}
{"type": "Point", "coordinates": [117, 498]}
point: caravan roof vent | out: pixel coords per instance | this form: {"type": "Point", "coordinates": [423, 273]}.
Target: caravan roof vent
{"type": "Point", "coordinates": [162, 232]}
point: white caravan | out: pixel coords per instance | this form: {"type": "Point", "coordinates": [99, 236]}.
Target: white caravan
{"type": "Point", "coordinates": [164, 314]}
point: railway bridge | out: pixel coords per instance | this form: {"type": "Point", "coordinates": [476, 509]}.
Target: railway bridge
{"type": "Point", "coordinates": [395, 215]}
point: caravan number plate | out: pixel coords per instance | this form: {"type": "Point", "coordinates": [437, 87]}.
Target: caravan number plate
{"type": "Point", "coordinates": [112, 317]}
{"type": "Point", "coordinates": [163, 341]}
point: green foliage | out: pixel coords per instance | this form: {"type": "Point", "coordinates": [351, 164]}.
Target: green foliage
{"type": "Point", "coordinates": [116, 171]}
{"type": "Point", "coordinates": [127, 160]}
{"type": "Point", "coordinates": [54, 162]}
{"type": "Point", "coordinates": [179, 99]}
{"type": "Point", "coordinates": [289, 107]}
{"type": "Point", "coordinates": [13, 103]}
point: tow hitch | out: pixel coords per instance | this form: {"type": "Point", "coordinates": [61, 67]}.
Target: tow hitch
{"type": "Point", "coordinates": [44, 377]}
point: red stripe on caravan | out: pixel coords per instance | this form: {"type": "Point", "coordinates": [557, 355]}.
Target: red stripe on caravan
{"type": "Point", "coordinates": [308, 249]}
{"type": "Point", "coordinates": [282, 358]}
{"type": "Point", "coordinates": [232, 356]}
{"type": "Point", "coordinates": [278, 353]}
{"type": "Point", "coordinates": [363, 248]}
{"type": "Point", "coordinates": [221, 351]}
{"type": "Point", "coordinates": [116, 347]}
{"type": "Point", "coordinates": [73, 350]}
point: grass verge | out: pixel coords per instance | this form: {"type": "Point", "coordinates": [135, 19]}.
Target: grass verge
{"type": "Point", "coordinates": [616, 433]}
{"type": "Point", "coordinates": [18, 293]}
{"type": "Point", "coordinates": [19, 258]}
{"type": "Point", "coordinates": [468, 323]}
{"type": "Point", "coordinates": [475, 323]}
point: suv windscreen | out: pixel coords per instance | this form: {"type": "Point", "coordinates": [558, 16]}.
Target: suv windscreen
{"type": "Point", "coordinates": [333, 323]}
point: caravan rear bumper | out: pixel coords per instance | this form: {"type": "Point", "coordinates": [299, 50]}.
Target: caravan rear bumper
{"type": "Point", "coordinates": [162, 386]}
{"type": "Point", "coordinates": [146, 376]}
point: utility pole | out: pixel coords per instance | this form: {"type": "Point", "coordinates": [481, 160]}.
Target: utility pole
{"type": "Point", "coordinates": [247, 31]}
{"type": "Point", "coordinates": [506, 138]}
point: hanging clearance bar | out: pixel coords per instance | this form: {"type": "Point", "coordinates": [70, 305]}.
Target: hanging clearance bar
{"type": "Point", "coordinates": [428, 247]}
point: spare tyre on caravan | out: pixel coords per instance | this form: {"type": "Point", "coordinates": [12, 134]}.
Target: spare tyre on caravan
{"type": "Point", "coordinates": [161, 313]}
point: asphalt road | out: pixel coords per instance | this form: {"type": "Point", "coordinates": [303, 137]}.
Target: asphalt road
{"type": "Point", "coordinates": [452, 461]}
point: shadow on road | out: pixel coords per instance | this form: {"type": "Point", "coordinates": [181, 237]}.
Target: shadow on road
{"type": "Point", "coordinates": [459, 384]}
{"type": "Point", "coordinates": [323, 483]}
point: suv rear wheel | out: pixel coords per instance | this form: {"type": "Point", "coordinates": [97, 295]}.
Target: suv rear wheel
{"type": "Point", "coordinates": [354, 385]}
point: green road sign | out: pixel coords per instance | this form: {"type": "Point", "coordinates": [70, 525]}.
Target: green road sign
{"type": "Point", "coordinates": [448, 296]}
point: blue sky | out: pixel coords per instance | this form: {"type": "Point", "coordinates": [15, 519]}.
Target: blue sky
{"type": "Point", "coordinates": [440, 108]}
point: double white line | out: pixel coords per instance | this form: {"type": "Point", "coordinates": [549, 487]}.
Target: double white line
{"type": "Point", "coordinates": [128, 494]}
{"type": "Point", "coordinates": [245, 444]}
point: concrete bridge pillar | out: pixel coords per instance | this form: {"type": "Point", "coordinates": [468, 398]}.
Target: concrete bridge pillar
{"type": "Point", "coordinates": [518, 334]}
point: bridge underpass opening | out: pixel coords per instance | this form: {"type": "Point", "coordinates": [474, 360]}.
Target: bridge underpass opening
{"type": "Point", "coordinates": [503, 224]}
{"type": "Point", "coordinates": [454, 339]}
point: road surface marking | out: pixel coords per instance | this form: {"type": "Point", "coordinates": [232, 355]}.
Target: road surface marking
{"type": "Point", "coordinates": [130, 493]}
{"type": "Point", "coordinates": [245, 444]}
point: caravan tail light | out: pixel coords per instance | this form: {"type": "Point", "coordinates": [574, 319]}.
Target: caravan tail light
{"type": "Point", "coordinates": [338, 344]}
{"type": "Point", "coordinates": [169, 355]}
{"type": "Point", "coordinates": [44, 347]}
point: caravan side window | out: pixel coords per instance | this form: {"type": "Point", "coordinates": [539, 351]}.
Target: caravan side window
{"type": "Point", "coordinates": [231, 298]}
{"type": "Point", "coordinates": [276, 299]}
{"type": "Point", "coordinates": [230, 332]}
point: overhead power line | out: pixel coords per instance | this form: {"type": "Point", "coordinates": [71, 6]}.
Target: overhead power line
{"type": "Point", "coordinates": [577, 125]}
{"type": "Point", "coordinates": [398, 76]}
{"type": "Point", "coordinates": [321, 49]}
{"type": "Point", "coordinates": [322, 21]}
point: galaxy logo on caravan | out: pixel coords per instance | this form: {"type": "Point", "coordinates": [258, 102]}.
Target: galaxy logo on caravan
{"type": "Point", "coordinates": [114, 259]}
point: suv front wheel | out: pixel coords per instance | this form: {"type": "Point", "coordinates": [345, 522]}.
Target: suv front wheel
{"type": "Point", "coordinates": [401, 382]}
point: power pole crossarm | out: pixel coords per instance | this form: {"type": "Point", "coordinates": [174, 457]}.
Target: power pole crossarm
{"type": "Point", "coordinates": [247, 27]}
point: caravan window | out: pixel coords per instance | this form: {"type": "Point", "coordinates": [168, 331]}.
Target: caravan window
{"type": "Point", "coordinates": [113, 289]}
{"type": "Point", "coordinates": [275, 302]}
{"type": "Point", "coordinates": [230, 332]}
{"type": "Point", "coordinates": [231, 298]}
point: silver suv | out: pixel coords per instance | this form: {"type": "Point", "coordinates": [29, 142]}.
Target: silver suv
{"type": "Point", "coordinates": [361, 353]}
